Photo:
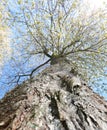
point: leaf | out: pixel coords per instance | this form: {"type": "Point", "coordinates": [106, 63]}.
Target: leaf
{"type": "Point", "coordinates": [0, 15]}
{"type": "Point", "coordinates": [19, 2]}
{"type": "Point", "coordinates": [33, 5]}
{"type": "Point", "coordinates": [105, 35]}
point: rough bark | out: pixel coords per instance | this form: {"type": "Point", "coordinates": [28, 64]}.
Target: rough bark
{"type": "Point", "coordinates": [53, 101]}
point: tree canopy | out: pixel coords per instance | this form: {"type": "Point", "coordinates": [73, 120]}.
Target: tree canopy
{"type": "Point", "coordinates": [5, 49]}
{"type": "Point", "coordinates": [59, 28]}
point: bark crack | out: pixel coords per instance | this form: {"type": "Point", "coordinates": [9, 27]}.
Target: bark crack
{"type": "Point", "coordinates": [94, 122]}
{"type": "Point", "coordinates": [64, 124]}
{"type": "Point", "coordinates": [54, 108]}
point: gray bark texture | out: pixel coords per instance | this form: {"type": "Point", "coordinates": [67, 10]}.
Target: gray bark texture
{"type": "Point", "coordinates": [56, 99]}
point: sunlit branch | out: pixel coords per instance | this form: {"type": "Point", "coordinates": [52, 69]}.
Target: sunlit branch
{"type": "Point", "coordinates": [30, 30]}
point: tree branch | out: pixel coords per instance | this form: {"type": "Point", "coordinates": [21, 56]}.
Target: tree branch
{"type": "Point", "coordinates": [29, 74]}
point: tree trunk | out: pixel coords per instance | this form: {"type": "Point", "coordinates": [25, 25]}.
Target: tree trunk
{"type": "Point", "coordinates": [56, 99]}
